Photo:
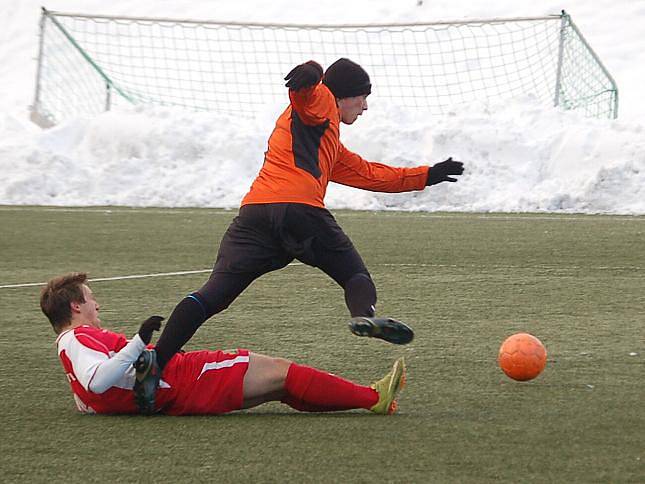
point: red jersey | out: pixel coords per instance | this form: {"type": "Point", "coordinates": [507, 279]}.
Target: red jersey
{"type": "Point", "coordinates": [199, 382]}
{"type": "Point", "coordinates": [305, 154]}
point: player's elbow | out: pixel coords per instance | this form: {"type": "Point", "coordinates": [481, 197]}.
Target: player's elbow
{"type": "Point", "coordinates": [96, 388]}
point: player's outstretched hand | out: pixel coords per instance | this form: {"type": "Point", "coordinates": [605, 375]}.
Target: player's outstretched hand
{"type": "Point", "coordinates": [153, 323]}
{"type": "Point", "coordinates": [305, 75]}
{"type": "Point", "coordinates": [441, 171]}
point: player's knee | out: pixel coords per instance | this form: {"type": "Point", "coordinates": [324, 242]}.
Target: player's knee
{"type": "Point", "coordinates": [280, 370]}
{"type": "Point", "coordinates": [360, 295]}
{"type": "Point", "coordinates": [361, 281]}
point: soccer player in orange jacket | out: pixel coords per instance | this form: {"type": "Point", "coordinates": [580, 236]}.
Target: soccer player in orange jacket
{"type": "Point", "coordinates": [99, 367]}
{"type": "Point", "coordinates": [283, 216]}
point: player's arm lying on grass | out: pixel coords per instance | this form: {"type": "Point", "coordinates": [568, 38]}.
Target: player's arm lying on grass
{"type": "Point", "coordinates": [97, 370]}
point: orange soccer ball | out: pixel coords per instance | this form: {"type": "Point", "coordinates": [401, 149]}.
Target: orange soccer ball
{"type": "Point", "coordinates": [522, 356]}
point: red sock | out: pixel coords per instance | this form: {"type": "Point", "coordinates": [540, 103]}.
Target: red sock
{"type": "Point", "coordinates": [312, 390]}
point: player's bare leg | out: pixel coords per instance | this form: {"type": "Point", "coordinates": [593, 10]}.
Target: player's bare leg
{"type": "Point", "coordinates": [264, 380]}
{"type": "Point", "coordinates": [311, 390]}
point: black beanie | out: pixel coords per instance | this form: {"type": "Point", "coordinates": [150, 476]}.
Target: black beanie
{"type": "Point", "coordinates": [345, 78]}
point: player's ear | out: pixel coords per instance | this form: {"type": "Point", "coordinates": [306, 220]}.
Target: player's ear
{"type": "Point", "coordinates": [75, 307]}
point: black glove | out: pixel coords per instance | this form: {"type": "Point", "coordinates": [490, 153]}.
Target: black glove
{"type": "Point", "coordinates": [153, 323]}
{"type": "Point", "coordinates": [439, 172]}
{"type": "Point", "coordinates": [305, 75]}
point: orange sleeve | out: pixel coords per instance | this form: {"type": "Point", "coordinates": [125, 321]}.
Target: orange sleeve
{"type": "Point", "coordinates": [311, 104]}
{"type": "Point", "coordinates": [352, 170]}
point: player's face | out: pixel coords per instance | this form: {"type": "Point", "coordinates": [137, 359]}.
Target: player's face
{"type": "Point", "coordinates": [89, 310]}
{"type": "Point", "coordinates": [351, 108]}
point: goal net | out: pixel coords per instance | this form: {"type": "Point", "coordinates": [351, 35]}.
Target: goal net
{"type": "Point", "coordinates": [89, 64]}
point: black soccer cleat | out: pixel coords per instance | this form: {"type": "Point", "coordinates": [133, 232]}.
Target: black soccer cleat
{"type": "Point", "coordinates": [146, 381]}
{"type": "Point", "coordinates": [387, 329]}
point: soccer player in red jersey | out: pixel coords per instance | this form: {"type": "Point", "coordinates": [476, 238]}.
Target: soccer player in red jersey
{"type": "Point", "coordinates": [99, 367]}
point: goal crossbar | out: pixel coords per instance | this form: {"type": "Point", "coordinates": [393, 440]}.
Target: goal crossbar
{"type": "Point", "coordinates": [300, 26]}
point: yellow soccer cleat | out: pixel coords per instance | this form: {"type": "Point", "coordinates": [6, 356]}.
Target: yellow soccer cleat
{"type": "Point", "coordinates": [388, 387]}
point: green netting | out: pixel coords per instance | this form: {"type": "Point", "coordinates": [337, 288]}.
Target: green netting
{"type": "Point", "coordinates": [88, 64]}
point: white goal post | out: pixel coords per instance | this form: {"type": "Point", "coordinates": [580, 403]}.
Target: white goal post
{"type": "Point", "coordinates": [91, 63]}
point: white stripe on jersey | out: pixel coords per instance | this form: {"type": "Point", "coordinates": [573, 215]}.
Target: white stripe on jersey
{"type": "Point", "coordinates": [216, 365]}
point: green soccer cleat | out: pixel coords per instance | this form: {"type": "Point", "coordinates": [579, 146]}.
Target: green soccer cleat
{"type": "Point", "coordinates": [388, 387]}
{"type": "Point", "coordinates": [387, 329]}
{"type": "Point", "coordinates": [146, 382]}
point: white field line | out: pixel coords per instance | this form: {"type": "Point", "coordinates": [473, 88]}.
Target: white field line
{"type": "Point", "coordinates": [444, 215]}
{"type": "Point", "coordinates": [203, 271]}
{"type": "Point", "coordinates": [115, 278]}
{"type": "Point", "coordinates": [178, 211]}
{"type": "Point", "coordinates": [121, 278]}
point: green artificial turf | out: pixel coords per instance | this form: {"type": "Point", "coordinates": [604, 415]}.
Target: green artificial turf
{"type": "Point", "coordinates": [463, 281]}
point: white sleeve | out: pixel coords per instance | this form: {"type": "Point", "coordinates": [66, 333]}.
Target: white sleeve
{"type": "Point", "coordinates": [108, 372]}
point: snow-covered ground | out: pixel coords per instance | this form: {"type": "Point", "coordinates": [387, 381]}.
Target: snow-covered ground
{"type": "Point", "coordinates": [519, 156]}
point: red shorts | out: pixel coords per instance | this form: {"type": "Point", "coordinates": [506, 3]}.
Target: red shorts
{"type": "Point", "coordinates": [204, 382]}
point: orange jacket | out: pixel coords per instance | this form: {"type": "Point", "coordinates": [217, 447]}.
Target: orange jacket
{"type": "Point", "coordinates": [305, 154]}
